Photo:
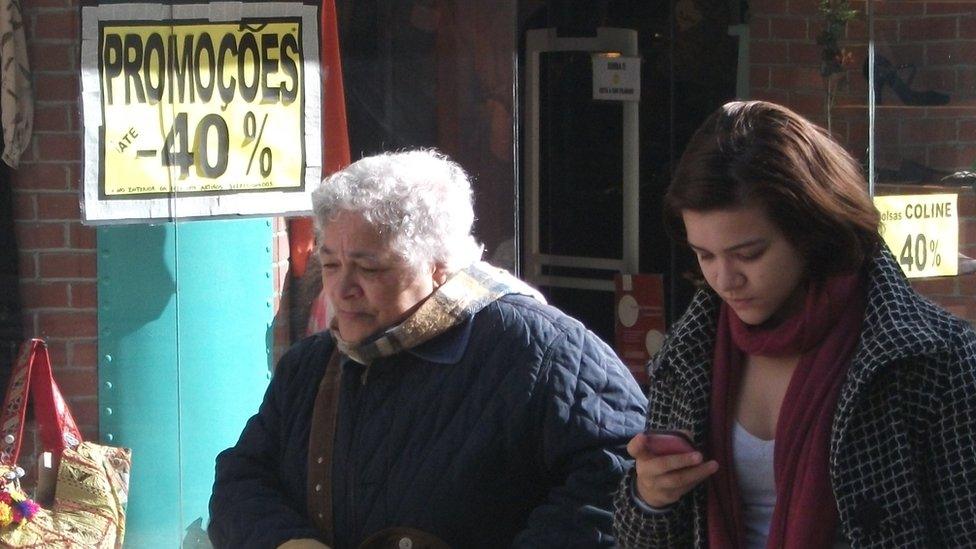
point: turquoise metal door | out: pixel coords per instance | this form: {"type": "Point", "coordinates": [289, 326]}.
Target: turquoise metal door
{"type": "Point", "coordinates": [185, 322]}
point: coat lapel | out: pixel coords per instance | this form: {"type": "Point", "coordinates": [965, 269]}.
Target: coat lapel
{"type": "Point", "coordinates": [895, 328]}
{"type": "Point", "coordinates": [689, 364]}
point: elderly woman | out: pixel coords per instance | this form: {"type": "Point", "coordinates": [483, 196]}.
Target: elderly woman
{"type": "Point", "coordinates": [447, 405]}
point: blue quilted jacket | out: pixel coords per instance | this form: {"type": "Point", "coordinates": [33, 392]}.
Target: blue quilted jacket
{"type": "Point", "coordinates": [508, 430]}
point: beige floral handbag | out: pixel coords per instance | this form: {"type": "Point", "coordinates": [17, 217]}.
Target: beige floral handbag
{"type": "Point", "coordinates": [92, 483]}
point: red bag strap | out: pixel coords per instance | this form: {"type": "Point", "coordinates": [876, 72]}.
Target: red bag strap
{"type": "Point", "coordinates": [55, 423]}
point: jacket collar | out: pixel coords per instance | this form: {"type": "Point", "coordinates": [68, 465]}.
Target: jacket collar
{"type": "Point", "coordinates": [897, 320]}
{"type": "Point", "coordinates": [447, 348]}
{"type": "Point", "coordinates": [691, 346]}
{"type": "Point", "coordinates": [897, 325]}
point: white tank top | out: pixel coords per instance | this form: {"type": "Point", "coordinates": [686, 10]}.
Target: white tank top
{"type": "Point", "coordinates": [752, 459]}
{"type": "Point", "coordinates": [753, 463]}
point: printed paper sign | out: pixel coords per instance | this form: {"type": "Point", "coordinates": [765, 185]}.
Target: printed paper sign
{"type": "Point", "coordinates": [616, 78]}
{"type": "Point", "coordinates": [198, 110]}
{"type": "Point", "coordinates": [922, 232]}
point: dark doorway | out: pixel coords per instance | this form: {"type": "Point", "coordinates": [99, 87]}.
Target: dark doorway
{"type": "Point", "coordinates": [688, 69]}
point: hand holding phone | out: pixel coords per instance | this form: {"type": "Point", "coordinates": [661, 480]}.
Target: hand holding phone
{"type": "Point", "coordinates": [668, 466]}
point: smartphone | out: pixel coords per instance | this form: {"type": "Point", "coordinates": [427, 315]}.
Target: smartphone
{"type": "Point", "coordinates": [664, 442]}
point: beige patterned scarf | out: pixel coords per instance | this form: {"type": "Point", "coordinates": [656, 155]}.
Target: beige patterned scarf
{"type": "Point", "coordinates": [16, 103]}
{"type": "Point", "coordinates": [458, 299]}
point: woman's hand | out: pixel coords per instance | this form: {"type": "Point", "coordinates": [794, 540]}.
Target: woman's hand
{"type": "Point", "coordinates": [662, 480]}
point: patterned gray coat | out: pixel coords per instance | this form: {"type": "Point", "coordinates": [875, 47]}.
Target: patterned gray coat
{"type": "Point", "coordinates": [903, 446]}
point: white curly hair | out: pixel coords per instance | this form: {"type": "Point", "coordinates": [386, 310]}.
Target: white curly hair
{"type": "Point", "coordinates": [419, 199]}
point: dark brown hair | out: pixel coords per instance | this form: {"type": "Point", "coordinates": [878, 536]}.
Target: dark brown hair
{"type": "Point", "coordinates": [758, 153]}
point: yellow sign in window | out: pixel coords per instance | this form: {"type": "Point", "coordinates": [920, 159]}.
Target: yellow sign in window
{"type": "Point", "coordinates": [922, 231]}
{"type": "Point", "coordinates": [202, 107]}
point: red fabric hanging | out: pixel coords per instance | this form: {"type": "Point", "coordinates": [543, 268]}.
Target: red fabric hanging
{"type": "Point", "coordinates": [335, 139]}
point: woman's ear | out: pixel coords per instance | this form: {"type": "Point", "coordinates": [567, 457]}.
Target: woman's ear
{"type": "Point", "coordinates": [440, 275]}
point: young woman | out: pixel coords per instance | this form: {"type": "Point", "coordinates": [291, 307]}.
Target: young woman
{"type": "Point", "coordinates": [830, 405]}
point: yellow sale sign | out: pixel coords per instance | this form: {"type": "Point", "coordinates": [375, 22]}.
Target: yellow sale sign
{"type": "Point", "coordinates": [196, 108]}
{"type": "Point", "coordinates": [200, 109]}
{"type": "Point", "coordinates": [922, 231]}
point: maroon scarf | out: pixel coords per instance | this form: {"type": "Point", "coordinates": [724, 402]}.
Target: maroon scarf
{"type": "Point", "coordinates": [825, 333]}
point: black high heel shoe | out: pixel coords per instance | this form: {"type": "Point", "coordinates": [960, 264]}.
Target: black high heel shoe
{"type": "Point", "coordinates": [885, 73]}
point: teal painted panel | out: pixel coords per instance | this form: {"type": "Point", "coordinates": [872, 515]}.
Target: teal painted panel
{"type": "Point", "coordinates": [137, 373]}
{"type": "Point", "coordinates": [184, 340]}
{"type": "Point", "coordinates": [225, 317]}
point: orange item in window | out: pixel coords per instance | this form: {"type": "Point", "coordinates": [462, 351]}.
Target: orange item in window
{"type": "Point", "coordinates": [639, 326]}
{"type": "Point", "coordinates": [301, 234]}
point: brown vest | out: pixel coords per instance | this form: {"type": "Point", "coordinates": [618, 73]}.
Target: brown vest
{"type": "Point", "coordinates": [321, 437]}
{"type": "Point", "coordinates": [321, 442]}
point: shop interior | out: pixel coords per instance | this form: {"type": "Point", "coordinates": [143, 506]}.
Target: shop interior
{"type": "Point", "coordinates": [565, 197]}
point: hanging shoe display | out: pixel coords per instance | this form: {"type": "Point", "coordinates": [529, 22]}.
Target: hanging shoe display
{"type": "Point", "coordinates": [887, 74]}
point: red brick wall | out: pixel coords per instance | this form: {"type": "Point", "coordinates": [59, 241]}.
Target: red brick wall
{"type": "Point", "coordinates": [939, 38]}
{"type": "Point", "coordinates": [57, 254]}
